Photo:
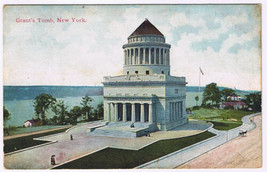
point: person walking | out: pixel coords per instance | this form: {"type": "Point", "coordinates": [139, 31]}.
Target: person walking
{"type": "Point", "coordinates": [53, 160]}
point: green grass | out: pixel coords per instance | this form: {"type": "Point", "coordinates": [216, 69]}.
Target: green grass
{"type": "Point", "coordinates": [225, 125]}
{"type": "Point", "coordinates": [23, 130]}
{"type": "Point", "coordinates": [222, 119]}
{"type": "Point", "coordinates": [111, 158]}
{"type": "Point", "coordinates": [27, 141]}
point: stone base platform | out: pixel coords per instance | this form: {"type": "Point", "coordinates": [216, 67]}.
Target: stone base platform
{"type": "Point", "coordinates": [123, 129]}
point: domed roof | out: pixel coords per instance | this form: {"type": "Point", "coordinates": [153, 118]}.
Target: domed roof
{"type": "Point", "coordinates": [146, 28]}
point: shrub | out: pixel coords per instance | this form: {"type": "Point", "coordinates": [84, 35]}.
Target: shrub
{"type": "Point", "coordinates": [229, 107]}
{"type": "Point", "coordinates": [196, 108]}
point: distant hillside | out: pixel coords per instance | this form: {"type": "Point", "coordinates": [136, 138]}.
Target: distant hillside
{"type": "Point", "coordinates": [30, 92]}
{"type": "Point", "coordinates": [196, 89]}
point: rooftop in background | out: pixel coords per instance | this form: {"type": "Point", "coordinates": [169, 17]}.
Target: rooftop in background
{"type": "Point", "coordinates": [146, 28]}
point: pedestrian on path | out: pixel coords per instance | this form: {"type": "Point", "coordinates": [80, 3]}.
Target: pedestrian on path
{"type": "Point", "coordinates": [71, 137]}
{"type": "Point", "coordinates": [53, 160]}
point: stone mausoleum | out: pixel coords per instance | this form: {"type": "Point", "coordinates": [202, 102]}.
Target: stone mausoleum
{"type": "Point", "coordinates": [146, 93]}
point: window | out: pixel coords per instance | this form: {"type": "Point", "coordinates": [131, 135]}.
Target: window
{"type": "Point", "coordinates": [136, 72]}
{"type": "Point", "coordinates": [162, 72]}
{"type": "Point", "coordinates": [127, 72]}
{"type": "Point", "coordinates": [176, 91]}
{"type": "Point", "coordinates": [147, 72]}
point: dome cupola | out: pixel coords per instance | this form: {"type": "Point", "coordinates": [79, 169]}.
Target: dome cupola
{"type": "Point", "coordinates": [146, 52]}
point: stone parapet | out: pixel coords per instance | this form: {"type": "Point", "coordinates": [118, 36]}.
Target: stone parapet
{"type": "Point", "coordinates": [155, 77]}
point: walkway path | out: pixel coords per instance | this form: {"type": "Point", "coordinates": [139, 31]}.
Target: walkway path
{"type": "Point", "coordinates": [84, 144]}
{"type": "Point", "coordinates": [182, 156]}
{"type": "Point", "coordinates": [231, 154]}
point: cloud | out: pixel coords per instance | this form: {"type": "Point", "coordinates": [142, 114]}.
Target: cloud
{"type": "Point", "coordinates": [220, 41]}
{"type": "Point", "coordinates": [180, 19]}
{"type": "Point", "coordinates": [219, 66]}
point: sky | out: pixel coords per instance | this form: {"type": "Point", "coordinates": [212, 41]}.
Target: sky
{"type": "Point", "coordinates": [224, 40]}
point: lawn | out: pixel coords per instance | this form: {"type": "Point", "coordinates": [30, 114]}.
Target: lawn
{"type": "Point", "coordinates": [222, 119]}
{"type": "Point", "coordinates": [26, 141]}
{"type": "Point", "coordinates": [225, 125]}
{"type": "Point", "coordinates": [111, 158]}
{"type": "Point", "coordinates": [23, 130]}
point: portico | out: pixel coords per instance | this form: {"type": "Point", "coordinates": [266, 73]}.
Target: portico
{"type": "Point", "coordinates": [122, 111]}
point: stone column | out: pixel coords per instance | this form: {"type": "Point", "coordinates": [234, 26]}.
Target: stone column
{"type": "Point", "coordinates": [111, 111]}
{"type": "Point", "coordinates": [124, 57]}
{"type": "Point", "coordinates": [133, 112]}
{"type": "Point", "coordinates": [168, 57]}
{"type": "Point", "coordinates": [155, 55]}
{"type": "Point", "coordinates": [133, 57]}
{"type": "Point", "coordinates": [142, 112]}
{"type": "Point", "coordinates": [174, 111]}
{"type": "Point", "coordinates": [180, 110]}
{"type": "Point", "coordinates": [144, 55]}
{"type": "Point", "coordinates": [139, 55]}
{"type": "Point", "coordinates": [124, 115]}
{"type": "Point", "coordinates": [127, 57]}
{"type": "Point", "coordinates": [150, 115]}
{"type": "Point", "coordinates": [108, 112]}
{"type": "Point", "coordinates": [149, 56]}
{"type": "Point", "coordinates": [116, 112]}
{"type": "Point", "coordinates": [170, 111]}
{"type": "Point", "coordinates": [130, 57]}
{"type": "Point", "coordinates": [177, 111]}
{"type": "Point", "coordinates": [161, 56]}
{"type": "Point", "coordinates": [165, 57]}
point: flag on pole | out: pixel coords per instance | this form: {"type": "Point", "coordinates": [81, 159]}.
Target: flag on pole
{"type": "Point", "coordinates": [201, 71]}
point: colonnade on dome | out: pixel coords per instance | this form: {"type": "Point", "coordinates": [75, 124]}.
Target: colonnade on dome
{"type": "Point", "coordinates": [146, 56]}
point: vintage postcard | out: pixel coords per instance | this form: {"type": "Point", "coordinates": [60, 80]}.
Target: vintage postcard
{"type": "Point", "coordinates": [132, 86]}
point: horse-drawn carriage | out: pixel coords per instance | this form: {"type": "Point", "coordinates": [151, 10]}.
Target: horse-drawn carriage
{"type": "Point", "coordinates": [242, 132]}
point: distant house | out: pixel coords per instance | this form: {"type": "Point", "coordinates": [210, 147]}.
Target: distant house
{"type": "Point", "coordinates": [235, 105]}
{"type": "Point", "coordinates": [32, 122]}
{"type": "Point", "coordinates": [234, 97]}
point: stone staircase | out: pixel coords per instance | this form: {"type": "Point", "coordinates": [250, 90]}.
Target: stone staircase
{"type": "Point", "coordinates": [122, 130]}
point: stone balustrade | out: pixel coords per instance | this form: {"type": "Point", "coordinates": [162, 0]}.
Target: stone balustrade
{"type": "Point", "coordinates": [155, 77]}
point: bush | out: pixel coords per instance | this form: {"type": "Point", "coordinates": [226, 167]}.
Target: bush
{"type": "Point", "coordinates": [207, 106]}
{"type": "Point", "coordinates": [229, 107]}
{"type": "Point", "coordinates": [188, 109]}
{"type": "Point", "coordinates": [196, 107]}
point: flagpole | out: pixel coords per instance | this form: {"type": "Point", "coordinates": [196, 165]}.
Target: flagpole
{"type": "Point", "coordinates": [199, 82]}
{"type": "Point", "coordinates": [199, 85]}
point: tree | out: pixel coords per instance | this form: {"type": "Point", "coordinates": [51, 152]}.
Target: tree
{"type": "Point", "coordinates": [253, 101]}
{"type": "Point", "coordinates": [41, 104]}
{"type": "Point", "coordinates": [74, 114]}
{"type": "Point", "coordinates": [211, 93]}
{"type": "Point", "coordinates": [99, 111]}
{"type": "Point", "coordinates": [197, 99]}
{"type": "Point", "coordinates": [86, 107]}
{"type": "Point", "coordinates": [7, 116]}
{"type": "Point", "coordinates": [60, 110]}
{"type": "Point", "coordinates": [226, 92]}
